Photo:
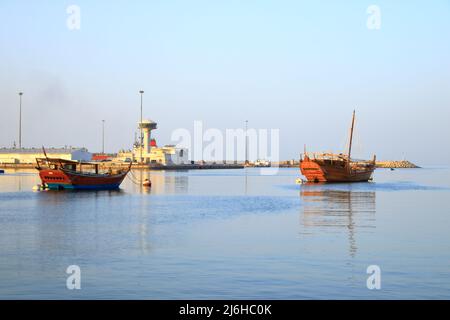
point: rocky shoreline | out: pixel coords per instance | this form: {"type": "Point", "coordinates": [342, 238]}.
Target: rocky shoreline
{"type": "Point", "coordinates": [396, 164]}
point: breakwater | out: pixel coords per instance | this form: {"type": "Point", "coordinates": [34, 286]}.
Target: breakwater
{"type": "Point", "coordinates": [396, 164]}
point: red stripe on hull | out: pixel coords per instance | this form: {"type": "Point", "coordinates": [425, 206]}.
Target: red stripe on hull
{"type": "Point", "coordinates": [338, 172]}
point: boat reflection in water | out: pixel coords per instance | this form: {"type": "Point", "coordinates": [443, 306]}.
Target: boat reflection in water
{"type": "Point", "coordinates": [337, 211]}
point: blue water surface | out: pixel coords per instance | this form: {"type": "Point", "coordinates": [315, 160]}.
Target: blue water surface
{"type": "Point", "coordinates": [228, 234]}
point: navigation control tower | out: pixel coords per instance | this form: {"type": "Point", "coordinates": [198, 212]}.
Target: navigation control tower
{"type": "Point", "coordinates": [147, 126]}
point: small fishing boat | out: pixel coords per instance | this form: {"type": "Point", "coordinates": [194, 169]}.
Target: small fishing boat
{"type": "Point", "coordinates": [60, 174]}
{"type": "Point", "coordinates": [330, 167]}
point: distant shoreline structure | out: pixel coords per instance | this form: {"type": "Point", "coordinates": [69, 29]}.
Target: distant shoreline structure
{"type": "Point", "coordinates": [139, 166]}
{"type": "Point", "coordinates": [199, 166]}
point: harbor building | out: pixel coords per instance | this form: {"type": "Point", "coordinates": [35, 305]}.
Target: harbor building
{"type": "Point", "coordinates": [29, 155]}
{"type": "Point", "coordinates": [145, 150]}
{"type": "Point", "coordinates": [167, 155]}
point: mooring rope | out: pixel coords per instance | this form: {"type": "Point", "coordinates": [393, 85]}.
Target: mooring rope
{"type": "Point", "coordinates": [134, 176]}
{"type": "Point", "coordinates": [134, 181]}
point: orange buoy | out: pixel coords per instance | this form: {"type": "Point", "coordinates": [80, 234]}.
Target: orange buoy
{"type": "Point", "coordinates": [147, 183]}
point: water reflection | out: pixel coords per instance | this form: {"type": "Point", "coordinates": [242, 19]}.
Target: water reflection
{"type": "Point", "coordinates": [63, 219]}
{"type": "Point", "coordinates": [18, 180]}
{"type": "Point", "coordinates": [246, 182]}
{"type": "Point", "coordinates": [163, 182]}
{"type": "Point", "coordinates": [340, 210]}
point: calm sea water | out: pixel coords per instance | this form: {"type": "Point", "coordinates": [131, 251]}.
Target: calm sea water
{"type": "Point", "coordinates": [228, 234]}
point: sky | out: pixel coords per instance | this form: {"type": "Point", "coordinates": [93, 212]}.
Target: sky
{"type": "Point", "coordinates": [297, 66]}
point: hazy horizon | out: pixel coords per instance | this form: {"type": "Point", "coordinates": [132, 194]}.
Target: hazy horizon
{"type": "Point", "coordinates": [290, 65]}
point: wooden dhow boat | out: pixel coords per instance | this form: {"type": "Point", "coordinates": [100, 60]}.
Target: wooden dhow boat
{"type": "Point", "coordinates": [61, 174]}
{"type": "Point", "coordinates": [330, 167]}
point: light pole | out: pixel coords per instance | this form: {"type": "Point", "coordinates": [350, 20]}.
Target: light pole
{"type": "Point", "coordinates": [20, 120]}
{"type": "Point", "coordinates": [103, 136]}
{"type": "Point", "coordinates": [140, 127]}
{"type": "Point", "coordinates": [246, 142]}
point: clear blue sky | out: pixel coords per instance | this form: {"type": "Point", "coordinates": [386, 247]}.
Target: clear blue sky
{"type": "Point", "coordinates": [298, 66]}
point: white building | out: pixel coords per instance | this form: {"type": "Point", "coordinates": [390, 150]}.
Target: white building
{"type": "Point", "coordinates": [167, 155]}
{"type": "Point", "coordinates": [29, 155]}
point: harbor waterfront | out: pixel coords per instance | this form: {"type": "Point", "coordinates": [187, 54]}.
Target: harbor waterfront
{"type": "Point", "coordinates": [137, 166]}
{"type": "Point", "coordinates": [228, 234]}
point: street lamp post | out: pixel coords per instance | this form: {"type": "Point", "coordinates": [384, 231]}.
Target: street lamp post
{"type": "Point", "coordinates": [141, 141]}
{"type": "Point", "coordinates": [20, 120]}
{"type": "Point", "coordinates": [103, 136]}
{"type": "Point", "coordinates": [246, 142]}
